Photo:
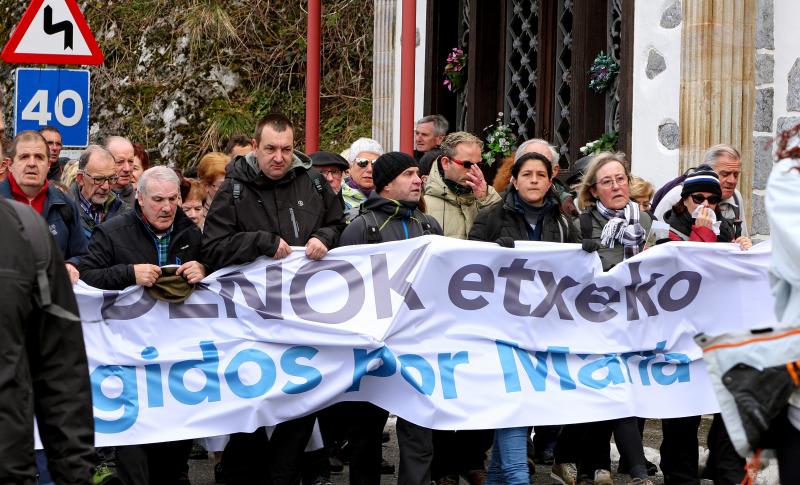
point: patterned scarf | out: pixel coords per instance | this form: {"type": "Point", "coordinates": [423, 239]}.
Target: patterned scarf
{"type": "Point", "coordinates": [622, 227]}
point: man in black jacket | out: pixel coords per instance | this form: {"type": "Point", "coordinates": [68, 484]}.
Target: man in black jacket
{"type": "Point", "coordinates": [128, 250]}
{"type": "Point", "coordinates": [389, 214]}
{"type": "Point", "coordinates": [44, 369]}
{"type": "Point", "coordinates": [270, 201]}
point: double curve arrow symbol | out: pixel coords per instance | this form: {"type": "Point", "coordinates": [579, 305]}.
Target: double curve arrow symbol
{"type": "Point", "coordinates": [64, 26]}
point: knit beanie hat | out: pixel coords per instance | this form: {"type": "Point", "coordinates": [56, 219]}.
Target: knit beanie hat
{"type": "Point", "coordinates": [703, 179]}
{"type": "Point", "coordinates": [364, 145]}
{"type": "Point", "coordinates": [388, 166]}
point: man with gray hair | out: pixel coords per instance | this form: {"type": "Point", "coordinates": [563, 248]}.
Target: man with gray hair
{"type": "Point", "coordinates": [122, 150]}
{"type": "Point", "coordinates": [92, 188]}
{"type": "Point", "coordinates": [132, 249]}
{"type": "Point", "coordinates": [429, 134]}
{"type": "Point", "coordinates": [727, 162]}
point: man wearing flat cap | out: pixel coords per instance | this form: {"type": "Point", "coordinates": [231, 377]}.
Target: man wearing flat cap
{"type": "Point", "coordinates": [332, 166]}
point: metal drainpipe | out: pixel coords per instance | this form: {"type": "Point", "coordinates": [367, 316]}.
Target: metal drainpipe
{"type": "Point", "coordinates": [408, 41]}
{"type": "Point", "coordinates": [313, 50]}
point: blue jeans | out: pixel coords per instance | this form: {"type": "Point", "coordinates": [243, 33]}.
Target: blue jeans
{"type": "Point", "coordinates": [41, 465]}
{"type": "Point", "coordinates": [509, 463]}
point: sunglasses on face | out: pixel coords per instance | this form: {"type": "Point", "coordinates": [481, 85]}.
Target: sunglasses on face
{"type": "Point", "coordinates": [700, 198]}
{"type": "Point", "coordinates": [362, 162]}
{"type": "Point", "coordinates": [466, 163]}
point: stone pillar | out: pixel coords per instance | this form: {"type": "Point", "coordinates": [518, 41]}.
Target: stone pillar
{"type": "Point", "coordinates": [718, 83]}
{"type": "Point", "coordinates": [383, 72]}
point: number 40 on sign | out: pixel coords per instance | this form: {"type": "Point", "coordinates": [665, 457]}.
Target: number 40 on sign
{"type": "Point", "coordinates": [53, 97]}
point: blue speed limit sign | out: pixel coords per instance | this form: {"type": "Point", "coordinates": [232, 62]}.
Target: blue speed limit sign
{"type": "Point", "coordinates": [53, 97]}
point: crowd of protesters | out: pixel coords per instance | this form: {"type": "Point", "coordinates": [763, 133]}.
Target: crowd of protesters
{"type": "Point", "coordinates": [119, 222]}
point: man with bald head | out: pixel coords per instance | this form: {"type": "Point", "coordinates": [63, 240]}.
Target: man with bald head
{"type": "Point", "coordinates": [122, 150]}
{"type": "Point", "coordinates": [97, 174]}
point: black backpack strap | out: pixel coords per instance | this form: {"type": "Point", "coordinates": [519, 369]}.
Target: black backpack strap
{"type": "Point", "coordinates": [373, 235]}
{"type": "Point", "coordinates": [427, 228]}
{"type": "Point", "coordinates": [317, 179]}
{"type": "Point", "coordinates": [38, 236]}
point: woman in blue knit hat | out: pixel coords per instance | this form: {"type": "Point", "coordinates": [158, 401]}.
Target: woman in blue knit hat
{"type": "Point", "coordinates": [696, 216]}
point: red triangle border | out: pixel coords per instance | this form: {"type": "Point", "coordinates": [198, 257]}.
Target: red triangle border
{"type": "Point", "coordinates": [10, 55]}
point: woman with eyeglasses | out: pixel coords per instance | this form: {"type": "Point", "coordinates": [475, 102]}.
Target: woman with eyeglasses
{"type": "Point", "coordinates": [613, 225]}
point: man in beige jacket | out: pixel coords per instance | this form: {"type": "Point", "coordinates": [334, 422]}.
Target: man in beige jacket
{"type": "Point", "coordinates": [454, 193]}
{"type": "Point", "coordinates": [456, 189]}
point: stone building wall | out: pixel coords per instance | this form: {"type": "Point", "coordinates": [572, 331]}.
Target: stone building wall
{"type": "Point", "coordinates": [778, 90]}
{"type": "Point", "coordinates": [656, 84]}
{"type": "Point", "coordinates": [657, 79]}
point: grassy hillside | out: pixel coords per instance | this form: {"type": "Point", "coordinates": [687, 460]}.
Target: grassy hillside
{"type": "Point", "coordinates": [181, 76]}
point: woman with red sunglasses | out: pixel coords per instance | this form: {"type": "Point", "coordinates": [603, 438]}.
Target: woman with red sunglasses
{"type": "Point", "coordinates": [696, 216]}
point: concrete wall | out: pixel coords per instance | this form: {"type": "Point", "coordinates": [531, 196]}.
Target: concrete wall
{"type": "Point", "coordinates": [656, 88]}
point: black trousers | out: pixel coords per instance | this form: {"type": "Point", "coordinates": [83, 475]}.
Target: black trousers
{"type": "Point", "coordinates": [152, 464]}
{"type": "Point", "coordinates": [724, 464]}
{"type": "Point", "coordinates": [361, 424]}
{"type": "Point", "coordinates": [786, 441]}
{"type": "Point", "coordinates": [596, 447]}
{"type": "Point", "coordinates": [416, 453]}
{"type": "Point", "coordinates": [458, 452]}
{"type": "Point", "coordinates": [679, 454]}
{"type": "Point", "coordinates": [569, 443]}
{"type": "Point", "coordinates": [254, 459]}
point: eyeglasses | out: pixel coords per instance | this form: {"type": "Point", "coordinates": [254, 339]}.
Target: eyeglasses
{"type": "Point", "coordinates": [337, 174]}
{"type": "Point", "coordinates": [111, 179]}
{"type": "Point", "coordinates": [466, 163]}
{"type": "Point", "coordinates": [362, 162]}
{"type": "Point", "coordinates": [700, 198]}
{"type": "Point", "coordinates": [620, 180]}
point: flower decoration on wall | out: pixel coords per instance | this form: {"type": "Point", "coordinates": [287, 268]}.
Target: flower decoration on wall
{"type": "Point", "coordinates": [606, 143]}
{"type": "Point", "coordinates": [499, 140]}
{"type": "Point", "coordinates": [602, 73]}
{"type": "Point", "coordinates": [455, 70]}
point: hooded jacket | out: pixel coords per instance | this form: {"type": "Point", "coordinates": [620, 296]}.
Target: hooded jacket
{"type": "Point", "coordinates": [123, 241]}
{"type": "Point", "coordinates": [783, 210]}
{"type": "Point", "coordinates": [508, 220]}
{"type": "Point", "coordinates": [63, 219]}
{"type": "Point", "coordinates": [455, 212]}
{"type": "Point", "coordinates": [251, 213]}
{"type": "Point", "coordinates": [396, 221]}
{"type": "Point", "coordinates": [44, 369]}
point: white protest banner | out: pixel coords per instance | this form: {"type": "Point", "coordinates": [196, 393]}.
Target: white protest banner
{"type": "Point", "coordinates": [448, 334]}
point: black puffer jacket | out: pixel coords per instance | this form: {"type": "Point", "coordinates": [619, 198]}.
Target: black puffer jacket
{"type": "Point", "coordinates": [43, 367]}
{"type": "Point", "coordinates": [395, 221]}
{"type": "Point", "coordinates": [507, 220]}
{"type": "Point", "coordinates": [123, 241]}
{"type": "Point", "coordinates": [240, 229]}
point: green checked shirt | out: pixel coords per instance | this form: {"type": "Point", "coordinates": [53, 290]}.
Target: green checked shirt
{"type": "Point", "coordinates": [162, 244]}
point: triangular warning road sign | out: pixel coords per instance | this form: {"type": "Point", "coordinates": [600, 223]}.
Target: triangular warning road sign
{"type": "Point", "coordinates": [53, 32]}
